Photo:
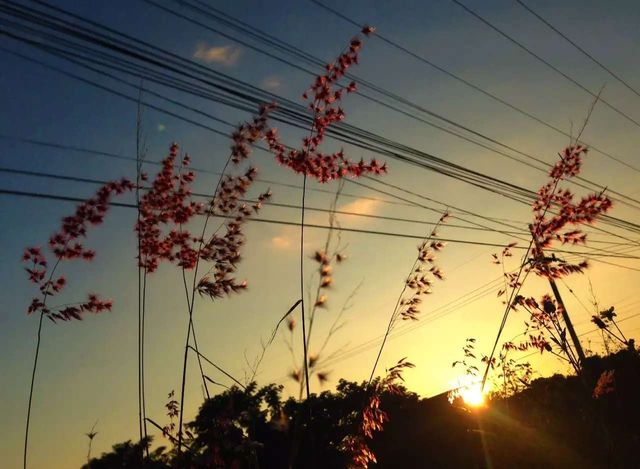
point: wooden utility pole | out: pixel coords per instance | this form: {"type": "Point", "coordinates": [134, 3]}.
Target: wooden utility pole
{"type": "Point", "coordinates": [567, 321]}
{"type": "Point", "coordinates": [565, 314]}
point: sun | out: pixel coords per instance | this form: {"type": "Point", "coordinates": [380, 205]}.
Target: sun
{"type": "Point", "coordinates": [472, 395]}
{"type": "Point", "coordinates": [469, 389]}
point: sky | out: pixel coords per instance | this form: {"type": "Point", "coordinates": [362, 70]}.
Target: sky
{"type": "Point", "coordinates": [88, 369]}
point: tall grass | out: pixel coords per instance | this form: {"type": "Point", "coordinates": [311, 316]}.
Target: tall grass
{"type": "Point", "coordinates": [66, 244]}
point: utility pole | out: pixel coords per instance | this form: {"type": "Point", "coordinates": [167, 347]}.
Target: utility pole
{"type": "Point", "coordinates": [563, 309]}
{"type": "Point", "coordinates": [567, 321]}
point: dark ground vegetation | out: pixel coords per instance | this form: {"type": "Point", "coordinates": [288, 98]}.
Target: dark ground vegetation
{"type": "Point", "coordinates": [556, 422]}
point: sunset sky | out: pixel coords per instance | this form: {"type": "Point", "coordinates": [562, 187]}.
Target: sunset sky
{"type": "Point", "coordinates": [88, 369]}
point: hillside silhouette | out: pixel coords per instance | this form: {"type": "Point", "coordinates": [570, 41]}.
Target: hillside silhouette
{"type": "Point", "coordinates": [556, 422]}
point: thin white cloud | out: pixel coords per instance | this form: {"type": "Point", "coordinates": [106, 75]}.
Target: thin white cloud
{"type": "Point", "coordinates": [288, 238]}
{"type": "Point", "coordinates": [363, 206]}
{"type": "Point", "coordinates": [285, 239]}
{"type": "Point", "coordinates": [282, 242]}
{"type": "Point", "coordinates": [271, 83]}
{"type": "Point", "coordinates": [225, 55]}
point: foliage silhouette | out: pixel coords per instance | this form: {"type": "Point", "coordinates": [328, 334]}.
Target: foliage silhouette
{"type": "Point", "coordinates": [556, 422]}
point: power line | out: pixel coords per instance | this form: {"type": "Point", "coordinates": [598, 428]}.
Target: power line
{"type": "Point", "coordinates": [155, 107]}
{"type": "Point", "coordinates": [195, 169]}
{"type": "Point", "coordinates": [361, 348]}
{"type": "Point", "coordinates": [545, 62]}
{"type": "Point", "coordinates": [439, 168]}
{"type": "Point", "coordinates": [408, 327]}
{"type": "Point", "coordinates": [188, 120]}
{"type": "Point", "coordinates": [597, 329]}
{"type": "Point", "coordinates": [262, 37]}
{"type": "Point", "coordinates": [41, 174]}
{"type": "Point", "coordinates": [413, 193]}
{"type": "Point", "coordinates": [633, 242]}
{"type": "Point", "coordinates": [587, 255]}
{"type": "Point", "coordinates": [398, 200]}
{"type": "Point", "coordinates": [453, 171]}
{"type": "Point", "coordinates": [39, 195]}
{"type": "Point", "coordinates": [618, 321]}
{"type": "Point", "coordinates": [437, 164]}
{"type": "Point", "coordinates": [272, 41]}
{"type": "Point", "coordinates": [445, 310]}
{"type": "Point", "coordinates": [368, 346]}
{"type": "Point", "coordinates": [584, 52]}
{"type": "Point", "coordinates": [370, 232]}
{"type": "Point", "coordinates": [479, 89]}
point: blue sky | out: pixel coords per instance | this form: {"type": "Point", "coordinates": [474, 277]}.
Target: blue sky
{"type": "Point", "coordinates": [88, 369]}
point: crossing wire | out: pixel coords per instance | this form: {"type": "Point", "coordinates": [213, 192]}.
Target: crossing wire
{"type": "Point", "coordinates": [477, 88]}
{"type": "Point", "coordinates": [254, 32]}
{"type": "Point", "coordinates": [578, 47]}
{"type": "Point", "coordinates": [544, 61]}
{"type": "Point", "coordinates": [587, 255]}
{"type": "Point", "coordinates": [458, 176]}
{"type": "Point", "coordinates": [196, 123]}
{"type": "Point", "coordinates": [467, 180]}
{"type": "Point", "coordinates": [61, 177]}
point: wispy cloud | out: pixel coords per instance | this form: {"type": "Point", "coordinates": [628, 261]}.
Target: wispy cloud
{"type": "Point", "coordinates": [282, 242]}
{"type": "Point", "coordinates": [225, 55]}
{"type": "Point", "coordinates": [288, 238]}
{"type": "Point", "coordinates": [272, 82]}
{"type": "Point", "coordinates": [363, 206]}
